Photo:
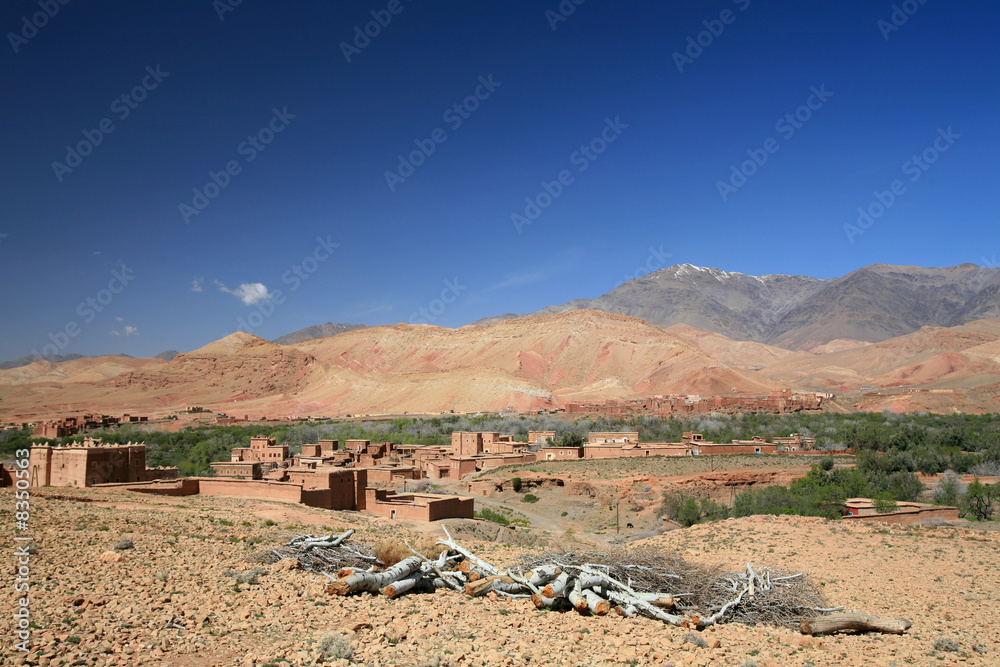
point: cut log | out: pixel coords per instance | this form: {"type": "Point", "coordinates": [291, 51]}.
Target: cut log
{"type": "Point", "coordinates": [544, 574]}
{"type": "Point", "coordinates": [661, 600]}
{"type": "Point", "coordinates": [826, 625]}
{"type": "Point", "coordinates": [374, 581]}
{"type": "Point", "coordinates": [400, 586]}
{"type": "Point", "coordinates": [626, 612]}
{"type": "Point", "coordinates": [484, 586]}
{"type": "Point", "coordinates": [597, 605]}
{"type": "Point", "coordinates": [557, 587]}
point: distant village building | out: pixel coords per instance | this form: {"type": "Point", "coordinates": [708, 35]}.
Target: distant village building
{"type": "Point", "coordinates": [904, 513]}
{"type": "Point", "coordinates": [92, 462]}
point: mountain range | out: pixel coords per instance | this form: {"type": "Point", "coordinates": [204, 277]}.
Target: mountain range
{"type": "Point", "coordinates": [872, 304]}
{"type": "Point", "coordinates": [681, 330]}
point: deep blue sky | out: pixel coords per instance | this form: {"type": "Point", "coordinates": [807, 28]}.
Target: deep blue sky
{"type": "Point", "coordinates": [323, 175]}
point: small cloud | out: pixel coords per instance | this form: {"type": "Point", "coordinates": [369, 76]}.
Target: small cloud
{"type": "Point", "coordinates": [248, 293]}
{"type": "Point", "coordinates": [118, 319]}
{"type": "Point", "coordinates": [128, 331]}
{"type": "Point", "coordinates": [196, 284]}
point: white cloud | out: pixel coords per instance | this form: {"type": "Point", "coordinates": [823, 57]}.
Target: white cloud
{"type": "Point", "coordinates": [248, 293]}
{"type": "Point", "coordinates": [118, 319]}
{"type": "Point", "coordinates": [129, 330]}
{"type": "Point", "coordinates": [196, 284]}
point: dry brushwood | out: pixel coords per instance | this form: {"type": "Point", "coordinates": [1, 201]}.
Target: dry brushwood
{"type": "Point", "coordinates": [626, 582]}
{"type": "Point", "coordinates": [331, 553]}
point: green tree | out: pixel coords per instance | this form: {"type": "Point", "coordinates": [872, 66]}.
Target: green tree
{"type": "Point", "coordinates": [979, 499]}
{"type": "Point", "coordinates": [571, 439]}
{"type": "Point", "coordinates": [689, 513]}
{"type": "Point", "coordinates": [515, 484]}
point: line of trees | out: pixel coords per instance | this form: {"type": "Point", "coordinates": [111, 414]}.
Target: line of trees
{"type": "Point", "coordinates": [916, 442]}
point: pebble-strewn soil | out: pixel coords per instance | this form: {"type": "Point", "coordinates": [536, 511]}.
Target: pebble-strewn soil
{"type": "Point", "coordinates": [93, 605]}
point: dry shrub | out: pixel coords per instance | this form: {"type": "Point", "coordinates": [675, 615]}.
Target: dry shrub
{"type": "Point", "coordinates": [391, 551]}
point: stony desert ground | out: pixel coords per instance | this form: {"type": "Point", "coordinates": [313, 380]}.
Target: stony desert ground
{"type": "Point", "coordinates": [168, 601]}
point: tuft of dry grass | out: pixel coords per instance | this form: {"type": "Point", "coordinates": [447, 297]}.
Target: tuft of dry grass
{"type": "Point", "coordinates": [391, 551]}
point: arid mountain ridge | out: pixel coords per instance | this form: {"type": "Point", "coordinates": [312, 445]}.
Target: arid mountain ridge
{"type": "Point", "coordinates": [872, 304]}
{"type": "Point", "coordinates": [536, 362]}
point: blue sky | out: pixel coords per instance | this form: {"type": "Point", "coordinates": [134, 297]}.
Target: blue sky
{"type": "Point", "coordinates": [624, 144]}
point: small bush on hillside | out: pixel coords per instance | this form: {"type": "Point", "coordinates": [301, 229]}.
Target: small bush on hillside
{"type": "Point", "coordinates": [335, 646]}
{"type": "Point", "coordinates": [945, 644]}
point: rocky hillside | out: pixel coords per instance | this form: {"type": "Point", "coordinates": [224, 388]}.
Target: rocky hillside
{"type": "Point", "coordinates": [318, 331]}
{"type": "Point", "coordinates": [796, 312]}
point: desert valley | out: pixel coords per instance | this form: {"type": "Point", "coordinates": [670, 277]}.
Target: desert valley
{"type": "Point", "coordinates": [497, 334]}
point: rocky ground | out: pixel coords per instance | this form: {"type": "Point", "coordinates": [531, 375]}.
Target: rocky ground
{"type": "Point", "coordinates": [169, 601]}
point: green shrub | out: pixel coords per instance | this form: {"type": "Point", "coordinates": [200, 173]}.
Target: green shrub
{"type": "Point", "coordinates": [689, 513]}
{"type": "Point", "coordinates": [884, 503]}
{"type": "Point", "coordinates": [492, 515]}
{"type": "Point", "coordinates": [529, 498]}
{"type": "Point", "coordinates": [516, 484]}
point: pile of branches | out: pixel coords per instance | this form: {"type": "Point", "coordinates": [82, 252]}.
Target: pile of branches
{"type": "Point", "coordinates": [629, 583]}
{"type": "Point", "coordinates": [699, 592]}
{"type": "Point", "coordinates": [321, 554]}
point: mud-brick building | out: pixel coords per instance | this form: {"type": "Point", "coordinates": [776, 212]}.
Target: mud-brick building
{"type": "Point", "coordinates": [92, 462]}
{"type": "Point", "coordinates": [418, 506]}
{"type": "Point", "coordinates": [262, 449]}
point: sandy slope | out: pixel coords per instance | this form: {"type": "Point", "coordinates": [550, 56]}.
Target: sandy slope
{"type": "Point", "coordinates": [87, 610]}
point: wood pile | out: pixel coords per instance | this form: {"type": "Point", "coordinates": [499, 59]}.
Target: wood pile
{"type": "Point", "coordinates": [627, 583]}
